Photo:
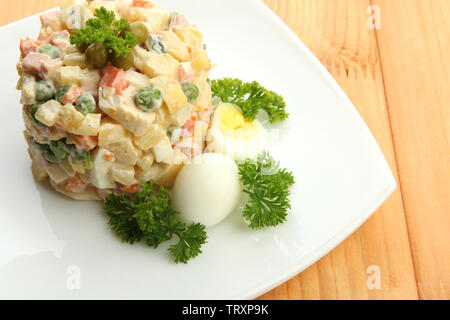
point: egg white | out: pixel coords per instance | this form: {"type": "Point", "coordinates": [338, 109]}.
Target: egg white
{"type": "Point", "coordinates": [207, 190]}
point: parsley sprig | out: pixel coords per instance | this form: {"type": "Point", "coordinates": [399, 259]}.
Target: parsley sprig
{"type": "Point", "coordinates": [251, 98]}
{"type": "Point", "coordinates": [105, 29]}
{"type": "Point", "coordinates": [268, 188]}
{"type": "Point", "coordinates": [148, 215]}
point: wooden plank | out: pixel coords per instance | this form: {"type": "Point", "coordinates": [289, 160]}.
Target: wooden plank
{"type": "Point", "coordinates": [415, 48]}
{"type": "Point", "coordinates": [336, 32]}
{"type": "Point", "coordinates": [18, 9]}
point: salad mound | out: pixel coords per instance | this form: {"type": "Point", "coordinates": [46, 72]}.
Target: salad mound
{"type": "Point", "coordinates": [113, 94]}
{"type": "Point", "coordinates": [118, 106]}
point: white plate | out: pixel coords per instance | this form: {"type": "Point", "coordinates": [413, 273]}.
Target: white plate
{"type": "Point", "coordinates": [342, 178]}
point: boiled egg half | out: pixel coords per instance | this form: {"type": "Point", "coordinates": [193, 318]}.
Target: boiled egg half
{"type": "Point", "coordinates": [207, 190]}
{"type": "Point", "coordinates": [234, 136]}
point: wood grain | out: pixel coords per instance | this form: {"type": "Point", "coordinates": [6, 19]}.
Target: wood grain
{"type": "Point", "coordinates": [414, 45]}
{"type": "Point", "coordinates": [337, 34]}
{"type": "Point", "coordinates": [398, 79]}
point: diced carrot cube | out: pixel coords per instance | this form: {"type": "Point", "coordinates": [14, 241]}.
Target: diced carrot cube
{"type": "Point", "coordinates": [114, 78]}
{"type": "Point", "coordinates": [85, 142]}
{"type": "Point", "coordinates": [141, 4]}
{"type": "Point", "coordinates": [76, 185]}
{"type": "Point", "coordinates": [72, 95]}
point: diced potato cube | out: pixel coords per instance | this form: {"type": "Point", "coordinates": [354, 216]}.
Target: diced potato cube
{"type": "Point", "coordinates": [123, 174]}
{"type": "Point", "coordinates": [137, 80]}
{"type": "Point", "coordinates": [123, 110]}
{"type": "Point", "coordinates": [89, 79]}
{"type": "Point", "coordinates": [154, 135]}
{"type": "Point", "coordinates": [183, 115]}
{"type": "Point", "coordinates": [69, 118]}
{"type": "Point", "coordinates": [153, 173]}
{"type": "Point", "coordinates": [65, 165]}
{"type": "Point", "coordinates": [174, 97]}
{"type": "Point", "coordinates": [146, 161]}
{"type": "Point", "coordinates": [28, 89]}
{"type": "Point", "coordinates": [162, 150]}
{"type": "Point", "coordinates": [56, 173]}
{"type": "Point", "coordinates": [110, 133]}
{"type": "Point", "coordinates": [74, 16]}
{"type": "Point", "coordinates": [75, 59]}
{"type": "Point", "coordinates": [175, 47]}
{"type": "Point", "coordinates": [200, 60]}
{"type": "Point", "coordinates": [69, 75]}
{"type": "Point", "coordinates": [190, 36]}
{"type": "Point", "coordinates": [168, 174]}
{"type": "Point", "coordinates": [203, 101]}
{"type": "Point", "coordinates": [89, 126]}
{"type": "Point", "coordinates": [156, 16]}
{"type": "Point", "coordinates": [97, 4]}
{"type": "Point", "coordinates": [153, 64]}
{"type": "Point", "coordinates": [101, 170]}
{"type": "Point", "coordinates": [48, 113]}
{"type": "Point", "coordinates": [79, 167]}
{"type": "Point", "coordinates": [38, 173]}
{"type": "Point", "coordinates": [119, 141]}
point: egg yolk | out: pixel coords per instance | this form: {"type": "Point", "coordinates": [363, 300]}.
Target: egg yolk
{"type": "Point", "coordinates": [233, 123]}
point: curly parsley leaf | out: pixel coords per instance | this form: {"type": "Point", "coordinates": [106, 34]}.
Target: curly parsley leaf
{"type": "Point", "coordinates": [189, 244]}
{"type": "Point", "coordinates": [268, 189]}
{"type": "Point", "coordinates": [149, 216]}
{"type": "Point", "coordinates": [251, 98]}
{"type": "Point", "coordinates": [105, 29]}
{"type": "Point", "coordinates": [122, 219]}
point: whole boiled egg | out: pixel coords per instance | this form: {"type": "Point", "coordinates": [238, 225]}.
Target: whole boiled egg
{"type": "Point", "coordinates": [234, 136]}
{"type": "Point", "coordinates": [207, 190]}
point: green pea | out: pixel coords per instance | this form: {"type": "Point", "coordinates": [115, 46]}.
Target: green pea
{"type": "Point", "coordinates": [190, 91]}
{"type": "Point", "coordinates": [97, 56]}
{"type": "Point", "coordinates": [78, 155]}
{"type": "Point", "coordinates": [44, 91]}
{"type": "Point", "coordinates": [155, 44]}
{"type": "Point", "coordinates": [35, 121]}
{"type": "Point", "coordinates": [61, 92]}
{"type": "Point", "coordinates": [149, 98]}
{"type": "Point", "coordinates": [85, 103]}
{"type": "Point", "coordinates": [49, 50]}
{"type": "Point", "coordinates": [51, 157]}
{"type": "Point", "coordinates": [139, 30]}
{"type": "Point", "coordinates": [59, 149]}
{"type": "Point", "coordinates": [124, 62]}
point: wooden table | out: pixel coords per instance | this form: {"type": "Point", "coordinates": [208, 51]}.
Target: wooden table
{"type": "Point", "coordinates": [397, 73]}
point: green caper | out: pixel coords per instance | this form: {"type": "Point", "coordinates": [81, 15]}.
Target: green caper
{"type": "Point", "coordinates": [49, 50]}
{"type": "Point", "coordinates": [124, 62]}
{"type": "Point", "coordinates": [139, 30]}
{"type": "Point", "coordinates": [97, 56]}
{"type": "Point", "coordinates": [61, 92]}
{"type": "Point", "coordinates": [85, 103]}
{"type": "Point", "coordinates": [59, 149]}
{"type": "Point", "coordinates": [33, 111]}
{"type": "Point", "coordinates": [156, 44]}
{"type": "Point", "coordinates": [190, 90]}
{"type": "Point", "coordinates": [44, 91]}
{"type": "Point", "coordinates": [149, 98]}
